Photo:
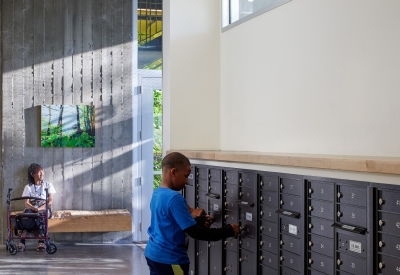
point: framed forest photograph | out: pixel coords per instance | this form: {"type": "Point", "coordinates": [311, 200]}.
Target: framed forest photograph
{"type": "Point", "coordinates": [67, 126]}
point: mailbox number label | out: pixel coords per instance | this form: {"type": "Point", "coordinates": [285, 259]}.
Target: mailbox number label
{"type": "Point", "coordinates": [355, 246]}
{"type": "Point", "coordinates": [292, 229]}
{"type": "Point", "coordinates": [249, 216]}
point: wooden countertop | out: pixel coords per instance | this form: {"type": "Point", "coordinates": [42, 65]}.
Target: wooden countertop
{"type": "Point", "coordinates": [383, 165]}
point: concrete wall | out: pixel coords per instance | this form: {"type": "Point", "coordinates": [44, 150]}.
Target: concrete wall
{"type": "Point", "coordinates": [313, 76]}
{"type": "Point", "coordinates": [69, 52]}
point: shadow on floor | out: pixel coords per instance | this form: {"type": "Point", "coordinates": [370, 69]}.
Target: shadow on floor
{"type": "Point", "coordinates": [82, 259]}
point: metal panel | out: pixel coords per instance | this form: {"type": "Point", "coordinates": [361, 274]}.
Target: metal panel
{"type": "Point", "coordinates": [215, 260]}
{"type": "Point", "coordinates": [388, 244]}
{"type": "Point", "coordinates": [202, 257]}
{"type": "Point", "coordinates": [202, 185]}
{"type": "Point", "coordinates": [248, 196]}
{"type": "Point", "coordinates": [322, 209]}
{"type": "Point", "coordinates": [388, 201]}
{"type": "Point", "coordinates": [389, 223]}
{"type": "Point", "coordinates": [291, 227]}
{"type": "Point", "coordinates": [231, 263]}
{"type": "Point", "coordinates": [215, 210]}
{"type": "Point", "coordinates": [269, 198]}
{"type": "Point", "coordinates": [248, 262]}
{"type": "Point", "coordinates": [291, 186]}
{"type": "Point", "coordinates": [320, 227]}
{"type": "Point", "coordinates": [352, 195]}
{"type": "Point", "coordinates": [265, 270]}
{"type": "Point", "coordinates": [388, 265]}
{"type": "Point", "coordinates": [231, 205]}
{"type": "Point", "coordinates": [231, 217]}
{"type": "Point", "coordinates": [291, 202]}
{"type": "Point", "coordinates": [288, 271]}
{"type": "Point", "coordinates": [321, 245]}
{"type": "Point", "coordinates": [215, 188]}
{"type": "Point", "coordinates": [269, 244]}
{"type": "Point", "coordinates": [192, 176]}
{"type": "Point", "coordinates": [231, 244]}
{"type": "Point", "coordinates": [248, 243]}
{"type": "Point", "coordinates": [232, 177]}
{"type": "Point", "coordinates": [353, 265]}
{"type": "Point", "coordinates": [351, 243]}
{"type": "Point", "coordinates": [202, 173]}
{"type": "Point", "coordinates": [215, 175]}
{"type": "Point", "coordinates": [269, 183]}
{"type": "Point", "coordinates": [192, 255]}
{"type": "Point", "coordinates": [291, 260]}
{"type": "Point", "coordinates": [190, 195]}
{"type": "Point", "coordinates": [291, 244]}
{"type": "Point", "coordinates": [321, 190]}
{"type": "Point", "coordinates": [321, 263]}
{"type": "Point", "coordinates": [268, 213]}
{"type": "Point", "coordinates": [348, 214]}
{"type": "Point", "coordinates": [269, 259]}
{"type": "Point", "coordinates": [201, 196]}
{"type": "Point", "coordinates": [249, 180]}
{"type": "Point", "coordinates": [269, 229]}
{"type": "Point", "coordinates": [231, 192]}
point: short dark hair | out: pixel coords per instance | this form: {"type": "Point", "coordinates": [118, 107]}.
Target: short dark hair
{"type": "Point", "coordinates": [175, 160]}
{"type": "Point", "coordinates": [32, 168]}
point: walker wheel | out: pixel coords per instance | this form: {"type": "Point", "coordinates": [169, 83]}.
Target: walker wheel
{"type": "Point", "coordinates": [12, 249]}
{"type": "Point", "coordinates": [51, 248]}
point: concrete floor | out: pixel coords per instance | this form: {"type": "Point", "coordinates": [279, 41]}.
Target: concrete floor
{"type": "Point", "coordinates": [79, 259]}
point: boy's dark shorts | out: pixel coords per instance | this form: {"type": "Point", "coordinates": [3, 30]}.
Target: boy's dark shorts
{"type": "Point", "coordinates": [167, 269]}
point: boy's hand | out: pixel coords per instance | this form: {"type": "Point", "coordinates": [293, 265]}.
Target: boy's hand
{"type": "Point", "coordinates": [197, 212]}
{"type": "Point", "coordinates": [236, 230]}
{"type": "Point", "coordinates": [209, 221]}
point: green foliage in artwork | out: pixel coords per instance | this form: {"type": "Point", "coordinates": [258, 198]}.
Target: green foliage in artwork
{"type": "Point", "coordinates": [73, 140]}
{"type": "Point", "coordinates": [157, 138]}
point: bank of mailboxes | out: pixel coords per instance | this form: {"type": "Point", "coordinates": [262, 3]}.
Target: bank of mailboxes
{"type": "Point", "coordinates": [294, 225]}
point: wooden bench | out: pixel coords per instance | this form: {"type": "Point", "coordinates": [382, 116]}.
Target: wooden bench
{"type": "Point", "coordinates": [111, 220]}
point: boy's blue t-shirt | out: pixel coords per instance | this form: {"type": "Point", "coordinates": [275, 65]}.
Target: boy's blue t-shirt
{"type": "Point", "coordinates": [170, 216]}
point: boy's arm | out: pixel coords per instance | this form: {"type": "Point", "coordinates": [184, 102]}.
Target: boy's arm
{"type": "Point", "coordinates": [212, 234]}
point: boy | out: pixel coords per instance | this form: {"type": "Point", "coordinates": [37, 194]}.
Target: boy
{"type": "Point", "coordinates": [170, 219]}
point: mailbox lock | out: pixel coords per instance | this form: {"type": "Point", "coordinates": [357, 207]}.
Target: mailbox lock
{"type": "Point", "coordinates": [261, 183]}
{"type": "Point", "coordinates": [226, 242]}
{"type": "Point", "coordinates": [241, 260]}
{"type": "Point", "coordinates": [197, 196]}
{"type": "Point", "coordinates": [282, 202]}
{"type": "Point", "coordinates": [226, 177]}
{"type": "Point", "coordinates": [339, 214]}
{"type": "Point", "coordinates": [226, 216]}
{"type": "Point", "coordinates": [310, 225]}
{"type": "Point", "coordinates": [310, 190]}
{"type": "Point", "coordinates": [281, 242]}
{"type": "Point", "coordinates": [262, 243]}
{"type": "Point", "coordinates": [209, 187]}
{"type": "Point", "coordinates": [197, 173]}
{"type": "Point", "coordinates": [282, 258]}
{"type": "Point", "coordinates": [310, 208]}
{"type": "Point", "coordinates": [226, 191]}
{"type": "Point", "coordinates": [261, 213]}
{"type": "Point", "coordinates": [381, 201]}
{"type": "Point", "coordinates": [339, 262]}
{"type": "Point", "coordinates": [261, 258]}
{"type": "Point", "coordinates": [240, 180]}
{"type": "Point", "coordinates": [381, 265]}
{"type": "Point", "coordinates": [197, 185]}
{"type": "Point", "coordinates": [261, 227]}
{"type": "Point", "coordinates": [310, 261]}
{"type": "Point", "coordinates": [381, 243]}
{"type": "Point", "coordinates": [339, 195]}
{"type": "Point", "coordinates": [310, 243]}
{"type": "Point", "coordinates": [226, 203]}
{"type": "Point", "coordinates": [381, 222]}
{"type": "Point", "coordinates": [240, 194]}
{"type": "Point", "coordinates": [261, 198]}
{"type": "Point", "coordinates": [209, 176]}
{"type": "Point", "coordinates": [209, 245]}
{"type": "Point", "coordinates": [226, 268]}
{"type": "Point", "coordinates": [240, 242]}
{"type": "Point", "coordinates": [282, 186]}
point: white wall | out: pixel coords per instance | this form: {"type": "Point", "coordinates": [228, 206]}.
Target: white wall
{"type": "Point", "coordinates": [313, 76]}
{"type": "Point", "coordinates": [191, 74]}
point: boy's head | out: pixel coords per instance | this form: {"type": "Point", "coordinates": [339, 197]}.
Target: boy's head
{"type": "Point", "coordinates": [176, 169]}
